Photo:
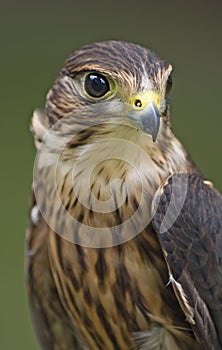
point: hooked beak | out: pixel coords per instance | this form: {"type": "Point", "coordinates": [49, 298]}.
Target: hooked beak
{"type": "Point", "coordinates": [146, 113]}
{"type": "Point", "coordinates": [150, 120]}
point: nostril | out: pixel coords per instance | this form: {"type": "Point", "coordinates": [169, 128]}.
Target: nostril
{"type": "Point", "coordinates": [138, 103]}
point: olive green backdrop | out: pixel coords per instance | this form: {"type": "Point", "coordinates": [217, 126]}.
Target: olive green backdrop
{"type": "Point", "coordinates": [36, 37]}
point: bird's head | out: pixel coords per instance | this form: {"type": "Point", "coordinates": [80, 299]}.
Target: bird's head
{"type": "Point", "coordinates": [112, 82]}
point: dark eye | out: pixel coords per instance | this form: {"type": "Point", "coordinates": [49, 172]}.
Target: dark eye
{"type": "Point", "coordinates": [169, 84]}
{"type": "Point", "coordinates": [96, 85]}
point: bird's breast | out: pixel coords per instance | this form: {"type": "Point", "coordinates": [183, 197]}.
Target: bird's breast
{"type": "Point", "coordinates": [102, 199]}
{"type": "Point", "coordinates": [103, 195]}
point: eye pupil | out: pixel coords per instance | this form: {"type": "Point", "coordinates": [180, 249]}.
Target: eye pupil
{"type": "Point", "coordinates": [96, 85]}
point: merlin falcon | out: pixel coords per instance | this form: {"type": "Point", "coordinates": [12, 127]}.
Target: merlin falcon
{"type": "Point", "coordinates": [124, 244]}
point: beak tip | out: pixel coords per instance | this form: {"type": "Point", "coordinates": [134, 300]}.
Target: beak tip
{"type": "Point", "coordinates": [155, 131]}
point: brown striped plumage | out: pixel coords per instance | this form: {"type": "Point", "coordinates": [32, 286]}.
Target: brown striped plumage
{"type": "Point", "coordinates": [102, 289]}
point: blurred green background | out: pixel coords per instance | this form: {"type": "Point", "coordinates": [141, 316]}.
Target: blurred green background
{"type": "Point", "coordinates": [36, 37]}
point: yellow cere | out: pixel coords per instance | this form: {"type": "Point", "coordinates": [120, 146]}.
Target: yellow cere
{"type": "Point", "coordinates": [142, 99]}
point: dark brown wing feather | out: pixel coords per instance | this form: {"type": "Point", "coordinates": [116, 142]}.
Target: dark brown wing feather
{"type": "Point", "coordinates": [193, 250]}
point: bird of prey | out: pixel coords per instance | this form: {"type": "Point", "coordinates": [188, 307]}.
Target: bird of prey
{"type": "Point", "coordinates": [124, 245]}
